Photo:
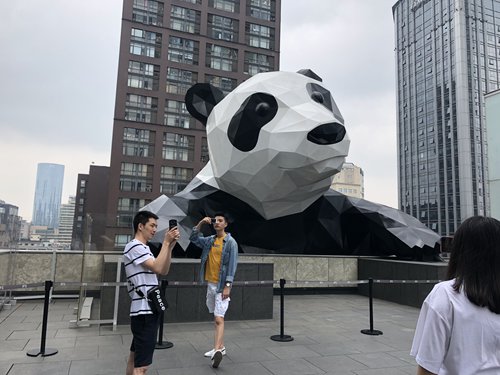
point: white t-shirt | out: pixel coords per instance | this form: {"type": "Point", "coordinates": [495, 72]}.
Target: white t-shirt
{"type": "Point", "coordinates": [456, 337]}
{"type": "Point", "coordinates": [134, 254]}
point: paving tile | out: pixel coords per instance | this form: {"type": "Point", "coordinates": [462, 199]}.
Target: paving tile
{"type": "Point", "coordinates": [377, 360]}
{"type": "Point", "coordinates": [238, 355]}
{"type": "Point", "coordinates": [340, 363]}
{"type": "Point", "coordinates": [325, 328]}
{"type": "Point", "coordinates": [290, 352]}
{"type": "Point", "coordinates": [292, 367]}
{"type": "Point", "coordinates": [97, 367]}
{"type": "Point", "coordinates": [43, 368]}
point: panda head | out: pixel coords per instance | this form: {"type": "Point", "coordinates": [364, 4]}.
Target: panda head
{"type": "Point", "coordinates": [275, 141]}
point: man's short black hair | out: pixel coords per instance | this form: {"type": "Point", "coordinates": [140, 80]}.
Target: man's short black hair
{"type": "Point", "coordinates": [142, 217]}
{"type": "Point", "coordinates": [223, 215]}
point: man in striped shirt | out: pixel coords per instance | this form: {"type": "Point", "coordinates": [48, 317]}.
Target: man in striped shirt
{"type": "Point", "coordinates": [142, 268]}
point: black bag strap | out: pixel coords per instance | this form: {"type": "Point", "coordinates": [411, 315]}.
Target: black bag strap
{"type": "Point", "coordinates": [138, 291]}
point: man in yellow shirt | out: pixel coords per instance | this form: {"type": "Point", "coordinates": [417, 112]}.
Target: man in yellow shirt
{"type": "Point", "coordinates": [219, 259]}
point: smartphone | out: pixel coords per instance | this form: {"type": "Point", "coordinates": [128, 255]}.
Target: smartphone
{"type": "Point", "coordinates": [172, 223]}
{"type": "Point", "coordinates": [213, 220]}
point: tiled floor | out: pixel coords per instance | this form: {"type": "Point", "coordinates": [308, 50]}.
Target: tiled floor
{"type": "Point", "coordinates": [325, 328]}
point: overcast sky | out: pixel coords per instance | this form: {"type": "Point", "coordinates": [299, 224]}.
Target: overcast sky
{"type": "Point", "coordinates": [58, 68]}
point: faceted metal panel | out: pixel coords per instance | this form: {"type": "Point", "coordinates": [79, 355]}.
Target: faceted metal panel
{"type": "Point", "coordinates": [275, 143]}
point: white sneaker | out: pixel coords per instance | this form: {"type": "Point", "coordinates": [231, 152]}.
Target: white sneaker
{"type": "Point", "coordinates": [211, 353]}
{"type": "Point", "coordinates": [217, 358]}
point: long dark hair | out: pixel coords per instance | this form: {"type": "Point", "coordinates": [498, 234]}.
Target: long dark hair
{"type": "Point", "coordinates": [475, 261]}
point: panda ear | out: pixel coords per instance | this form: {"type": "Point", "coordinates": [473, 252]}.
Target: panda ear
{"type": "Point", "coordinates": [309, 73]}
{"type": "Point", "coordinates": [201, 99]}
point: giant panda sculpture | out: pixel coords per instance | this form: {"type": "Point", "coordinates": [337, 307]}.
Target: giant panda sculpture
{"type": "Point", "coordinates": [275, 143]}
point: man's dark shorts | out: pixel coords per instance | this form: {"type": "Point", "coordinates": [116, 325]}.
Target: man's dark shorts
{"type": "Point", "coordinates": [144, 329]}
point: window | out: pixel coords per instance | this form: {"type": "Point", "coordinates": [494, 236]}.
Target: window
{"type": "Point", "coordinates": [174, 179]}
{"type": "Point", "coordinates": [131, 204]}
{"type": "Point", "coordinates": [183, 50]}
{"type": "Point", "coordinates": [222, 58]}
{"type": "Point", "coordinates": [260, 36]}
{"type": "Point", "coordinates": [178, 147]}
{"type": "Point", "coordinates": [179, 81]}
{"type": "Point", "coordinates": [204, 151]}
{"type": "Point", "coordinates": [141, 108]}
{"type": "Point", "coordinates": [262, 9]}
{"type": "Point", "coordinates": [222, 28]}
{"type": "Point", "coordinates": [255, 63]}
{"type": "Point", "coordinates": [232, 6]}
{"type": "Point", "coordinates": [145, 43]}
{"type": "Point", "coordinates": [186, 20]}
{"type": "Point", "coordinates": [122, 239]}
{"type": "Point", "coordinates": [136, 177]}
{"type": "Point", "coordinates": [138, 142]}
{"type": "Point", "coordinates": [223, 83]}
{"type": "Point", "coordinates": [149, 12]}
{"type": "Point", "coordinates": [143, 76]}
{"type": "Point", "coordinates": [177, 115]}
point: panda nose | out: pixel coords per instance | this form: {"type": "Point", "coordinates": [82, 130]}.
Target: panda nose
{"type": "Point", "coordinates": [327, 134]}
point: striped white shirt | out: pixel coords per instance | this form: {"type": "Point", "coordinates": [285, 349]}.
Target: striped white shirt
{"type": "Point", "coordinates": [138, 276]}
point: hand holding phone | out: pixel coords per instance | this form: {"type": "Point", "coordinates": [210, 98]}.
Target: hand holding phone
{"type": "Point", "coordinates": [212, 220]}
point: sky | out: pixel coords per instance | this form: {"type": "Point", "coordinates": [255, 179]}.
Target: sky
{"type": "Point", "coordinates": [58, 71]}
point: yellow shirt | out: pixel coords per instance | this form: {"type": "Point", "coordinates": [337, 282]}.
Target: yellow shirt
{"type": "Point", "coordinates": [213, 262]}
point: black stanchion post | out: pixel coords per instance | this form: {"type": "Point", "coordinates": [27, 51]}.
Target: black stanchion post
{"type": "Point", "coordinates": [44, 351]}
{"type": "Point", "coordinates": [282, 337]}
{"type": "Point", "coordinates": [371, 331]}
{"type": "Point", "coordinates": [160, 344]}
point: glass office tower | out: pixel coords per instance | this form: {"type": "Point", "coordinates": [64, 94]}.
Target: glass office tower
{"type": "Point", "coordinates": [447, 59]}
{"type": "Point", "coordinates": [48, 192]}
{"type": "Point", "coordinates": [165, 48]}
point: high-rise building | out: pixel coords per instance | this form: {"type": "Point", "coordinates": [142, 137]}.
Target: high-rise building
{"type": "Point", "coordinates": [48, 192]}
{"type": "Point", "coordinates": [350, 181]}
{"type": "Point", "coordinates": [165, 48]}
{"type": "Point", "coordinates": [447, 58]}
{"type": "Point", "coordinates": [66, 217]}
{"type": "Point", "coordinates": [492, 107]}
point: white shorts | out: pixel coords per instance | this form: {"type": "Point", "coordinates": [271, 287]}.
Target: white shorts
{"type": "Point", "coordinates": [216, 305]}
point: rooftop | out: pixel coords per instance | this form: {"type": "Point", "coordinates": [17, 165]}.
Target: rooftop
{"type": "Point", "coordinates": [325, 328]}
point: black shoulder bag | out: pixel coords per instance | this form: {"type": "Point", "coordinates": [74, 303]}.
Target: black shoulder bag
{"type": "Point", "coordinates": [156, 299]}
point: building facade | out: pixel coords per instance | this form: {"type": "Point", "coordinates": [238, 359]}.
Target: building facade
{"type": "Point", "coordinates": [350, 181]}
{"type": "Point", "coordinates": [66, 217]}
{"type": "Point", "coordinates": [165, 48]}
{"type": "Point", "coordinates": [48, 193]}
{"type": "Point", "coordinates": [91, 201]}
{"type": "Point", "coordinates": [10, 225]}
{"type": "Point", "coordinates": [493, 130]}
{"type": "Point", "coordinates": [447, 58]}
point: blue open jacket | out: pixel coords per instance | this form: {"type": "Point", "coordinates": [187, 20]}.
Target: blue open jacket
{"type": "Point", "coordinates": [229, 260]}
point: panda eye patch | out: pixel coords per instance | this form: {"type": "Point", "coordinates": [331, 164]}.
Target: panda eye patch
{"type": "Point", "coordinates": [317, 97]}
{"type": "Point", "coordinates": [322, 96]}
{"type": "Point", "coordinates": [255, 112]}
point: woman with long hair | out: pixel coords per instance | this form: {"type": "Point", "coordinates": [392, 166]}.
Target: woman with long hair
{"type": "Point", "coordinates": [458, 330]}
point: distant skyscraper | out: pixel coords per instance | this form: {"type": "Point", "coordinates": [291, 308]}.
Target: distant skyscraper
{"type": "Point", "coordinates": [167, 46]}
{"type": "Point", "coordinates": [447, 58]}
{"type": "Point", "coordinates": [48, 192]}
{"type": "Point", "coordinates": [66, 217]}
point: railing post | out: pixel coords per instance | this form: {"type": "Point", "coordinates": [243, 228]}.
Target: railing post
{"type": "Point", "coordinates": [43, 351]}
{"type": "Point", "coordinates": [371, 331]}
{"type": "Point", "coordinates": [160, 344]}
{"type": "Point", "coordinates": [282, 337]}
